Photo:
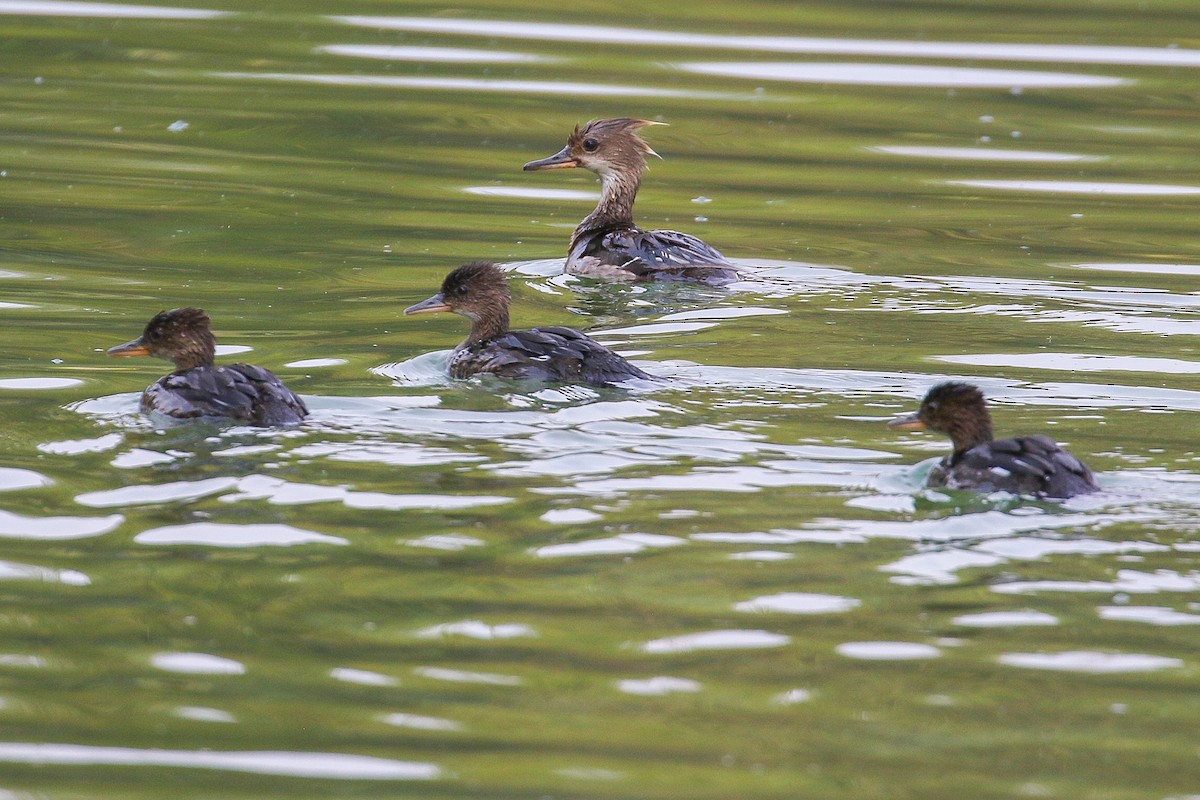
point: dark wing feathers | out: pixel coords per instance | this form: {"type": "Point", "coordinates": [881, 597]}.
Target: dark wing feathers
{"type": "Point", "coordinates": [545, 354]}
{"type": "Point", "coordinates": [660, 255]}
{"type": "Point", "coordinates": [241, 392]}
{"type": "Point", "coordinates": [1022, 465]}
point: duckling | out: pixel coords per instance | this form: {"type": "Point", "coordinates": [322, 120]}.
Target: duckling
{"type": "Point", "coordinates": [1021, 465]}
{"type": "Point", "coordinates": [607, 244]}
{"type": "Point", "coordinates": [197, 388]}
{"type": "Point", "coordinates": [479, 292]}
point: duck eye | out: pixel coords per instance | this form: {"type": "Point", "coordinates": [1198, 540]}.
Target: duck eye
{"type": "Point", "coordinates": [590, 145]}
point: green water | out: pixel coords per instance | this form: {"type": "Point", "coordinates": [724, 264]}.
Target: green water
{"type": "Point", "coordinates": [730, 585]}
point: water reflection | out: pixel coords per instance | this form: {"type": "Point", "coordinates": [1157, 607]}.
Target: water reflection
{"type": "Point", "coordinates": [549, 31]}
{"type": "Point", "coordinates": [901, 75]}
{"type": "Point", "coordinates": [887, 651]}
{"type": "Point", "coordinates": [1082, 187]}
{"type": "Point", "coordinates": [533, 193]}
{"type": "Point", "coordinates": [1077, 362]}
{"type": "Point", "coordinates": [482, 85]}
{"type": "Point", "coordinates": [455, 55]}
{"type": "Point", "coordinates": [982, 154]}
{"type": "Point", "coordinates": [716, 640]}
{"type": "Point", "coordinates": [66, 8]}
{"type": "Point", "coordinates": [295, 764]}
{"type": "Point", "coordinates": [1089, 661]}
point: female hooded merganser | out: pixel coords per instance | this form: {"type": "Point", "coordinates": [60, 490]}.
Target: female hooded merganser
{"type": "Point", "coordinates": [480, 293]}
{"type": "Point", "coordinates": [1021, 465]}
{"type": "Point", "coordinates": [607, 244]}
{"type": "Point", "coordinates": [197, 388]}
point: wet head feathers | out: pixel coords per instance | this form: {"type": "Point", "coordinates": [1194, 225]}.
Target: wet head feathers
{"type": "Point", "coordinates": [605, 145]}
{"type": "Point", "coordinates": [957, 409]}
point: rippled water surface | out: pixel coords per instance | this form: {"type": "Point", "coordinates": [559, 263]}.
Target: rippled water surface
{"type": "Point", "coordinates": [727, 584]}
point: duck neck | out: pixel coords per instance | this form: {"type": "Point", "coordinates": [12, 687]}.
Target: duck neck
{"type": "Point", "coordinates": [615, 209]}
{"type": "Point", "coordinates": [971, 433]}
{"type": "Point", "coordinates": [198, 353]}
{"type": "Point", "coordinates": [489, 325]}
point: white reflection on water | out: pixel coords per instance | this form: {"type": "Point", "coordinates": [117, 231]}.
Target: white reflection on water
{"type": "Point", "coordinates": [17, 526]}
{"type": "Point", "coordinates": [981, 154]}
{"type": "Point", "coordinates": [1128, 581]}
{"type": "Point", "coordinates": [1151, 615]}
{"type": "Point", "coordinates": [281, 492]}
{"type": "Point", "coordinates": [572, 88]}
{"type": "Point", "coordinates": [292, 763]}
{"type": "Point", "coordinates": [548, 31]}
{"type": "Point", "coordinates": [622, 544]}
{"type": "Point", "coordinates": [533, 193]}
{"type": "Point", "coordinates": [1090, 661]}
{"type": "Point", "coordinates": [420, 722]}
{"type": "Point", "coordinates": [11, 571]}
{"type": "Point", "coordinates": [203, 714]}
{"type": "Point", "coordinates": [942, 565]}
{"type": "Point", "coordinates": [477, 629]}
{"type": "Point", "coordinates": [716, 640]}
{"type": "Point", "coordinates": [314, 363]}
{"type": "Point", "coordinates": [1142, 268]}
{"type": "Point", "coordinates": [21, 660]}
{"type": "Point", "coordinates": [197, 664]}
{"type": "Point", "coordinates": [1077, 362]}
{"type": "Point", "coordinates": [799, 603]}
{"type": "Point", "coordinates": [464, 676]}
{"type": "Point", "coordinates": [178, 491]}
{"type": "Point", "coordinates": [1082, 187]}
{"type": "Point", "coordinates": [1005, 619]}
{"type": "Point", "coordinates": [71, 447]}
{"type": "Point", "coordinates": [215, 534]}
{"type": "Point", "coordinates": [900, 75]}
{"type": "Point", "coordinates": [276, 492]}
{"type": "Point", "coordinates": [457, 55]}
{"type": "Point", "coordinates": [65, 8]}
{"type": "Point", "coordinates": [13, 478]}
{"type": "Point", "coordinates": [887, 651]}
{"type": "Point", "coordinates": [39, 383]}
{"type": "Point", "coordinates": [1121, 309]}
{"type": "Point", "coordinates": [362, 677]}
{"type": "Point", "coordinates": [658, 686]}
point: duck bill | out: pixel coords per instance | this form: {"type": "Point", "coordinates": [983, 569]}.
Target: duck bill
{"type": "Point", "coordinates": [435, 303]}
{"type": "Point", "coordinates": [909, 422]}
{"type": "Point", "coordinates": [560, 160]}
{"type": "Point", "coordinates": [134, 348]}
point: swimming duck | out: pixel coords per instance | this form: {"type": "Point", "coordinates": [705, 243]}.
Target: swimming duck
{"type": "Point", "coordinates": [1021, 465]}
{"type": "Point", "coordinates": [197, 388]}
{"type": "Point", "coordinates": [607, 244]}
{"type": "Point", "coordinates": [479, 292]}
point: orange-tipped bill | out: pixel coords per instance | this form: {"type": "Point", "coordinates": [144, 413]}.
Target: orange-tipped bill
{"type": "Point", "coordinates": [909, 422]}
{"type": "Point", "coordinates": [134, 348]}
{"type": "Point", "coordinates": [560, 160]}
{"type": "Point", "coordinates": [435, 303]}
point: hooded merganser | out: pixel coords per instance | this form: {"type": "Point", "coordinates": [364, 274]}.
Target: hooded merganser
{"type": "Point", "coordinates": [479, 292]}
{"type": "Point", "coordinates": [1021, 465]}
{"type": "Point", "coordinates": [607, 244]}
{"type": "Point", "coordinates": [197, 388]}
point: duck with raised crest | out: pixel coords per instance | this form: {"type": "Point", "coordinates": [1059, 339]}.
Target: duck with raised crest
{"type": "Point", "coordinates": [479, 292]}
{"type": "Point", "coordinates": [1022, 465]}
{"type": "Point", "coordinates": [198, 388]}
{"type": "Point", "coordinates": [607, 244]}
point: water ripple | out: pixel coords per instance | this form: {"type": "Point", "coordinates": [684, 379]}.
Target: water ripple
{"type": "Point", "coordinates": [570, 88]}
{"type": "Point", "coordinates": [66, 8]}
{"type": "Point", "coordinates": [562, 32]}
{"type": "Point", "coordinates": [425, 55]}
{"type": "Point", "coordinates": [901, 75]}
{"type": "Point", "coordinates": [294, 764]}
